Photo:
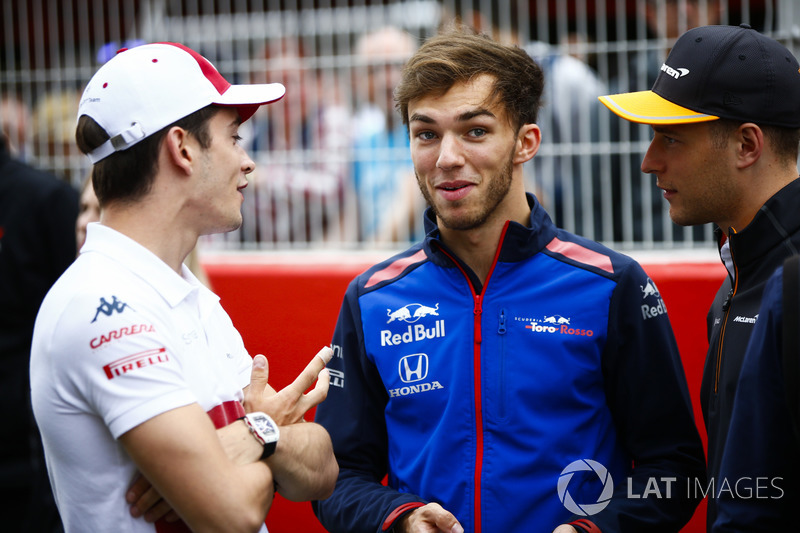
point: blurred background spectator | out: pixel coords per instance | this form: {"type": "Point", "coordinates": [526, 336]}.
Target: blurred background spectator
{"type": "Point", "coordinates": [15, 119]}
{"type": "Point", "coordinates": [38, 212]}
{"type": "Point", "coordinates": [331, 153]}
{"type": "Point", "coordinates": [383, 175]}
{"type": "Point", "coordinates": [299, 146]}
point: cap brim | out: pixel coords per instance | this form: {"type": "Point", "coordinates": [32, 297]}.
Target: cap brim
{"type": "Point", "coordinates": [256, 94]}
{"type": "Point", "coordinates": [247, 98]}
{"type": "Point", "coordinates": [646, 107]}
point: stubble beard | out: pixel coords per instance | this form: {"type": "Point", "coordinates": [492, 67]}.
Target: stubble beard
{"type": "Point", "coordinates": [496, 192]}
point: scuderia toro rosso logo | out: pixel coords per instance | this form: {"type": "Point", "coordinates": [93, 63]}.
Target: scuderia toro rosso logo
{"type": "Point", "coordinates": [557, 324]}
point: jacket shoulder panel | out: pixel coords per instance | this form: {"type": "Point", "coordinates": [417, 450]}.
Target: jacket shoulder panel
{"type": "Point", "coordinates": [392, 269]}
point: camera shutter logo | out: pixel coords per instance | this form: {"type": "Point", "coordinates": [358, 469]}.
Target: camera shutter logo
{"type": "Point", "coordinates": [585, 509]}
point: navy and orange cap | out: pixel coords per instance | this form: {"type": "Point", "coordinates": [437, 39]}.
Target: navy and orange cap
{"type": "Point", "coordinates": [713, 72]}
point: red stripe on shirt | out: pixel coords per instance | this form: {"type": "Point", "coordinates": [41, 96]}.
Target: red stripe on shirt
{"type": "Point", "coordinates": [576, 252]}
{"type": "Point", "coordinates": [395, 268]}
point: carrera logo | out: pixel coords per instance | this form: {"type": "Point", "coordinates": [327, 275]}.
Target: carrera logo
{"type": "Point", "coordinates": [121, 332]}
{"type": "Point", "coordinates": [135, 362]}
{"type": "Point", "coordinates": [411, 313]}
{"type": "Point", "coordinates": [674, 72]}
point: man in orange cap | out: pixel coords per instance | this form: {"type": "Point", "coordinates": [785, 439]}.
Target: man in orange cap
{"type": "Point", "coordinates": [725, 114]}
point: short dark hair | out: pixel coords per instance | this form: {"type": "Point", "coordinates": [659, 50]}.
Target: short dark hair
{"type": "Point", "coordinates": [785, 142]}
{"type": "Point", "coordinates": [459, 55]}
{"type": "Point", "coordinates": [127, 175]}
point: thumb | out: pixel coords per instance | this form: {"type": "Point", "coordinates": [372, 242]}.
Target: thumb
{"type": "Point", "coordinates": [259, 376]}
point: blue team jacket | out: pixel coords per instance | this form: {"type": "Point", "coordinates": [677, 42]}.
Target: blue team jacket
{"type": "Point", "coordinates": [491, 399]}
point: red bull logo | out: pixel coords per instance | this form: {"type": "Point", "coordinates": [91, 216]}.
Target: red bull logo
{"type": "Point", "coordinates": [649, 290]}
{"type": "Point", "coordinates": [417, 332]}
{"type": "Point", "coordinates": [411, 313]}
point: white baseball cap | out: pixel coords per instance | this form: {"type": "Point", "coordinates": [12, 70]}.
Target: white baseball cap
{"type": "Point", "coordinates": [142, 90]}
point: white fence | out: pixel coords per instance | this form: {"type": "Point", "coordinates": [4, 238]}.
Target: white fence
{"type": "Point", "coordinates": [332, 168]}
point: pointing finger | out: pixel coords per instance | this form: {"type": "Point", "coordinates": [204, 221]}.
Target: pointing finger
{"type": "Point", "coordinates": [312, 370]}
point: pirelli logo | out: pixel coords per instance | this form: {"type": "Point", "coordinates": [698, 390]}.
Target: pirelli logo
{"type": "Point", "coordinates": [136, 361]}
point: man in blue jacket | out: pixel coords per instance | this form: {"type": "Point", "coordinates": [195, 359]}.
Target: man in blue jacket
{"type": "Point", "coordinates": [760, 464]}
{"type": "Point", "coordinates": [504, 374]}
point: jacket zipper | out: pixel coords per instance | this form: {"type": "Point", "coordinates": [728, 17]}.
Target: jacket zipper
{"type": "Point", "coordinates": [726, 308]}
{"type": "Point", "coordinates": [477, 311]}
{"type": "Point", "coordinates": [501, 330]}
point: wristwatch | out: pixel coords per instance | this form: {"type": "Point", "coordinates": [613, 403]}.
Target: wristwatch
{"type": "Point", "coordinates": [264, 429]}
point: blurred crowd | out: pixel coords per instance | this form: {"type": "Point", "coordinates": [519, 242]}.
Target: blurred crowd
{"type": "Point", "coordinates": [332, 160]}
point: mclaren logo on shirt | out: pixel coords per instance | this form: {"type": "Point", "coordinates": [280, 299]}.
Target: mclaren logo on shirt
{"type": "Point", "coordinates": [413, 369]}
{"type": "Point", "coordinates": [652, 303]}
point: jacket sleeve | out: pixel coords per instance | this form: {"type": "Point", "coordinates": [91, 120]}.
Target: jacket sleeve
{"type": "Point", "coordinates": [758, 481]}
{"type": "Point", "coordinates": [649, 400]}
{"type": "Point", "coordinates": [353, 414]}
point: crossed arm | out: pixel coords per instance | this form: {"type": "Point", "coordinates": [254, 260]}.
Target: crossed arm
{"type": "Point", "coordinates": [214, 480]}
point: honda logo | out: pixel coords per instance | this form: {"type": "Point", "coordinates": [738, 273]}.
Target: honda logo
{"type": "Point", "coordinates": [413, 367]}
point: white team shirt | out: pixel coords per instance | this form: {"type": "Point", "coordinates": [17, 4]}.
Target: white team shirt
{"type": "Point", "coordinates": [119, 339]}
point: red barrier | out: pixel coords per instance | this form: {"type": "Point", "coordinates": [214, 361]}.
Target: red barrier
{"type": "Point", "coordinates": [286, 307]}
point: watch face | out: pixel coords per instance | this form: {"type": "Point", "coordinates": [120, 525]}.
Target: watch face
{"type": "Point", "coordinates": [265, 426]}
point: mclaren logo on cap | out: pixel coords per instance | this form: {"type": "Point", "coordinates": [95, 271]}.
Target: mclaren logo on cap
{"type": "Point", "coordinates": [674, 72]}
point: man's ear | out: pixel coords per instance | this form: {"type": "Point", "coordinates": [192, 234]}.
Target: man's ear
{"type": "Point", "coordinates": [749, 144]}
{"type": "Point", "coordinates": [529, 138]}
{"type": "Point", "coordinates": [179, 149]}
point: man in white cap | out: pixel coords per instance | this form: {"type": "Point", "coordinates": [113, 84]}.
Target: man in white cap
{"type": "Point", "coordinates": [725, 114]}
{"type": "Point", "coordinates": [134, 362]}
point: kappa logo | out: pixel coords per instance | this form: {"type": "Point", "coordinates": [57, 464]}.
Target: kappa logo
{"type": "Point", "coordinates": [108, 309]}
{"type": "Point", "coordinates": [410, 313]}
{"type": "Point", "coordinates": [674, 72]}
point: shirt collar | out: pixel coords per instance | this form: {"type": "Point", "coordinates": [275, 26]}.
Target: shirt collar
{"type": "Point", "coordinates": [140, 261]}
